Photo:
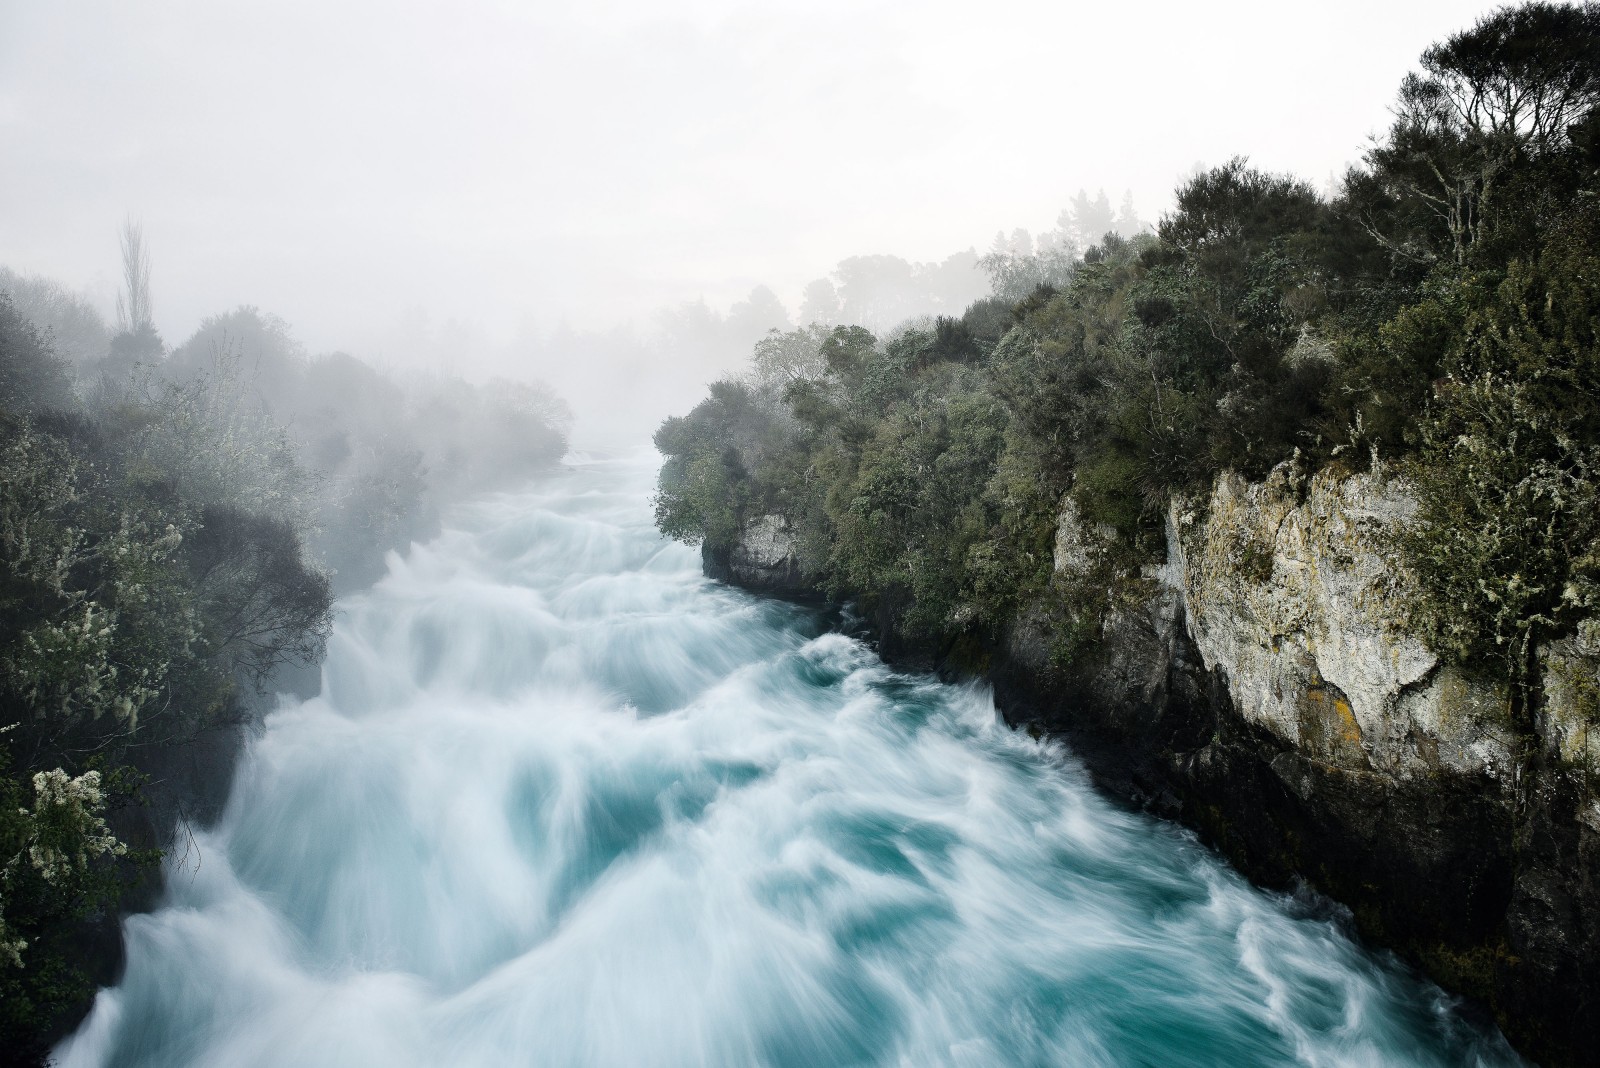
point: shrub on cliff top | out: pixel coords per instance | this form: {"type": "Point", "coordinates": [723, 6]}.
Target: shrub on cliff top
{"type": "Point", "coordinates": [1509, 471]}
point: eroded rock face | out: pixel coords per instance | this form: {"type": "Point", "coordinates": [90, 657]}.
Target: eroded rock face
{"type": "Point", "coordinates": [1079, 547]}
{"type": "Point", "coordinates": [1292, 591]}
{"type": "Point", "coordinates": [1569, 720]}
{"type": "Point", "coordinates": [763, 559]}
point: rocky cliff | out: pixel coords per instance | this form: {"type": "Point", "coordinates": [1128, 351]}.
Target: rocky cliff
{"type": "Point", "coordinates": [1467, 840]}
{"type": "Point", "coordinates": [1265, 688]}
{"type": "Point", "coordinates": [762, 559]}
{"type": "Point", "coordinates": [1290, 593]}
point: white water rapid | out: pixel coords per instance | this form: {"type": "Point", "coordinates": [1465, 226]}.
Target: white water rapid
{"type": "Point", "coordinates": [563, 802]}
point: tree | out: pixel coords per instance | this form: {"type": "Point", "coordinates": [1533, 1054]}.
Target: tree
{"type": "Point", "coordinates": [949, 286]}
{"type": "Point", "coordinates": [1016, 267]}
{"type": "Point", "coordinates": [754, 316]}
{"type": "Point", "coordinates": [1501, 98]}
{"type": "Point", "coordinates": [32, 378]}
{"type": "Point", "coordinates": [1128, 223]}
{"type": "Point", "coordinates": [876, 291]}
{"type": "Point", "coordinates": [1088, 220]}
{"type": "Point", "coordinates": [136, 343]}
{"type": "Point", "coordinates": [135, 310]}
{"type": "Point", "coordinates": [847, 350]}
{"type": "Point", "coordinates": [68, 320]}
{"type": "Point", "coordinates": [782, 358]}
{"type": "Point", "coordinates": [820, 303]}
{"type": "Point", "coordinates": [703, 491]}
{"type": "Point", "coordinates": [1508, 537]}
{"type": "Point", "coordinates": [1508, 529]}
{"type": "Point", "coordinates": [263, 605]}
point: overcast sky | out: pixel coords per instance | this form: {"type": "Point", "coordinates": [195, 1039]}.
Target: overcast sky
{"type": "Point", "coordinates": [350, 163]}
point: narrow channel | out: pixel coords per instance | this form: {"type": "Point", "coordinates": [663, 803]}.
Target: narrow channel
{"type": "Point", "coordinates": [564, 802]}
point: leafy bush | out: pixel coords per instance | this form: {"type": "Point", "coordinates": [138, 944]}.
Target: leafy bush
{"type": "Point", "coordinates": [1509, 524]}
{"type": "Point", "coordinates": [1508, 539]}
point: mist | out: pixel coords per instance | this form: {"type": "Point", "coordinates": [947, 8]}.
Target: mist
{"type": "Point", "coordinates": [801, 533]}
{"type": "Point", "coordinates": [474, 190]}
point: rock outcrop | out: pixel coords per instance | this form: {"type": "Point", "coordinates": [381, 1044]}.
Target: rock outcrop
{"type": "Point", "coordinates": [1343, 751]}
{"type": "Point", "coordinates": [762, 559]}
{"type": "Point", "coordinates": [1291, 591]}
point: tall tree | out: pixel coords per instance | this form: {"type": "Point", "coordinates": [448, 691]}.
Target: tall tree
{"type": "Point", "coordinates": [135, 310]}
{"type": "Point", "coordinates": [1490, 104]}
{"type": "Point", "coordinates": [820, 303]}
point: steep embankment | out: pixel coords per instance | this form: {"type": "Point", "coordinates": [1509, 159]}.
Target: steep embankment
{"type": "Point", "coordinates": [1265, 688]}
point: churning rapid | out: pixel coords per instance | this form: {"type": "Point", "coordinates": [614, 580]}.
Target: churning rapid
{"type": "Point", "coordinates": [564, 802]}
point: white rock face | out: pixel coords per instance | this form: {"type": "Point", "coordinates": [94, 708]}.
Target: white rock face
{"type": "Point", "coordinates": [764, 557]}
{"type": "Point", "coordinates": [766, 543]}
{"type": "Point", "coordinates": [1078, 547]}
{"type": "Point", "coordinates": [1291, 590]}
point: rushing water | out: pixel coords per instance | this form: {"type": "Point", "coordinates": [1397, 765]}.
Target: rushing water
{"type": "Point", "coordinates": [563, 802]}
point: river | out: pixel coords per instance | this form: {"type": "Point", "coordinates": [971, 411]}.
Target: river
{"type": "Point", "coordinates": [564, 802]}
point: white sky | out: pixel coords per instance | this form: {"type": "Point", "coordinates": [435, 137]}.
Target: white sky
{"type": "Point", "coordinates": [349, 164]}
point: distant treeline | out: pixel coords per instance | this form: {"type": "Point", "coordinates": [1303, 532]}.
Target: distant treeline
{"type": "Point", "coordinates": [1438, 313]}
{"type": "Point", "coordinates": [628, 374]}
{"type": "Point", "coordinates": [173, 528]}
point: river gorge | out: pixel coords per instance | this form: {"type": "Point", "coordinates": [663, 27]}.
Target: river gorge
{"type": "Point", "coordinates": [564, 801]}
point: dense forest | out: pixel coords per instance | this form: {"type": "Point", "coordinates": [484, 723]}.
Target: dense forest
{"type": "Point", "coordinates": [1437, 315]}
{"type": "Point", "coordinates": [174, 526]}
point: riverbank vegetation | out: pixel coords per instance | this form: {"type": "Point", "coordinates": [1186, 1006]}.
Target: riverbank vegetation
{"type": "Point", "coordinates": [1436, 314]}
{"type": "Point", "coordinates": [174, 526]}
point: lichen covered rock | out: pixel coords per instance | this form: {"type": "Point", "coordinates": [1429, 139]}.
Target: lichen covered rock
{"type": "Point", "coordinates": [1293, 593]}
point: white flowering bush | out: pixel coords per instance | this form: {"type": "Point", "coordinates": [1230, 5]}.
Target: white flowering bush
{"type": "Point", "coordinates": [49, 850]}
{"type": "Point", "coordinates": [94, 618]}
{"type": "Point", "coordinates": [60, 862]}
{"type": "Point", "coordinates": [68, 828]}
{"type": "Point", "coordinates": [64, 666]}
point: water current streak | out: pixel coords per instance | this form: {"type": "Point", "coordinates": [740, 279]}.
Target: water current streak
{"type": "Point", "coordinates": [563, 802]}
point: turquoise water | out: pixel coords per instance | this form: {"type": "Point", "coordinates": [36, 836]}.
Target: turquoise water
{"type": "Point", "coordinates": [563, 802]}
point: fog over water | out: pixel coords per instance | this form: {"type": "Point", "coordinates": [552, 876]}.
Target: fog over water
{"type": "Point", "coordinates": [565, 802]}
